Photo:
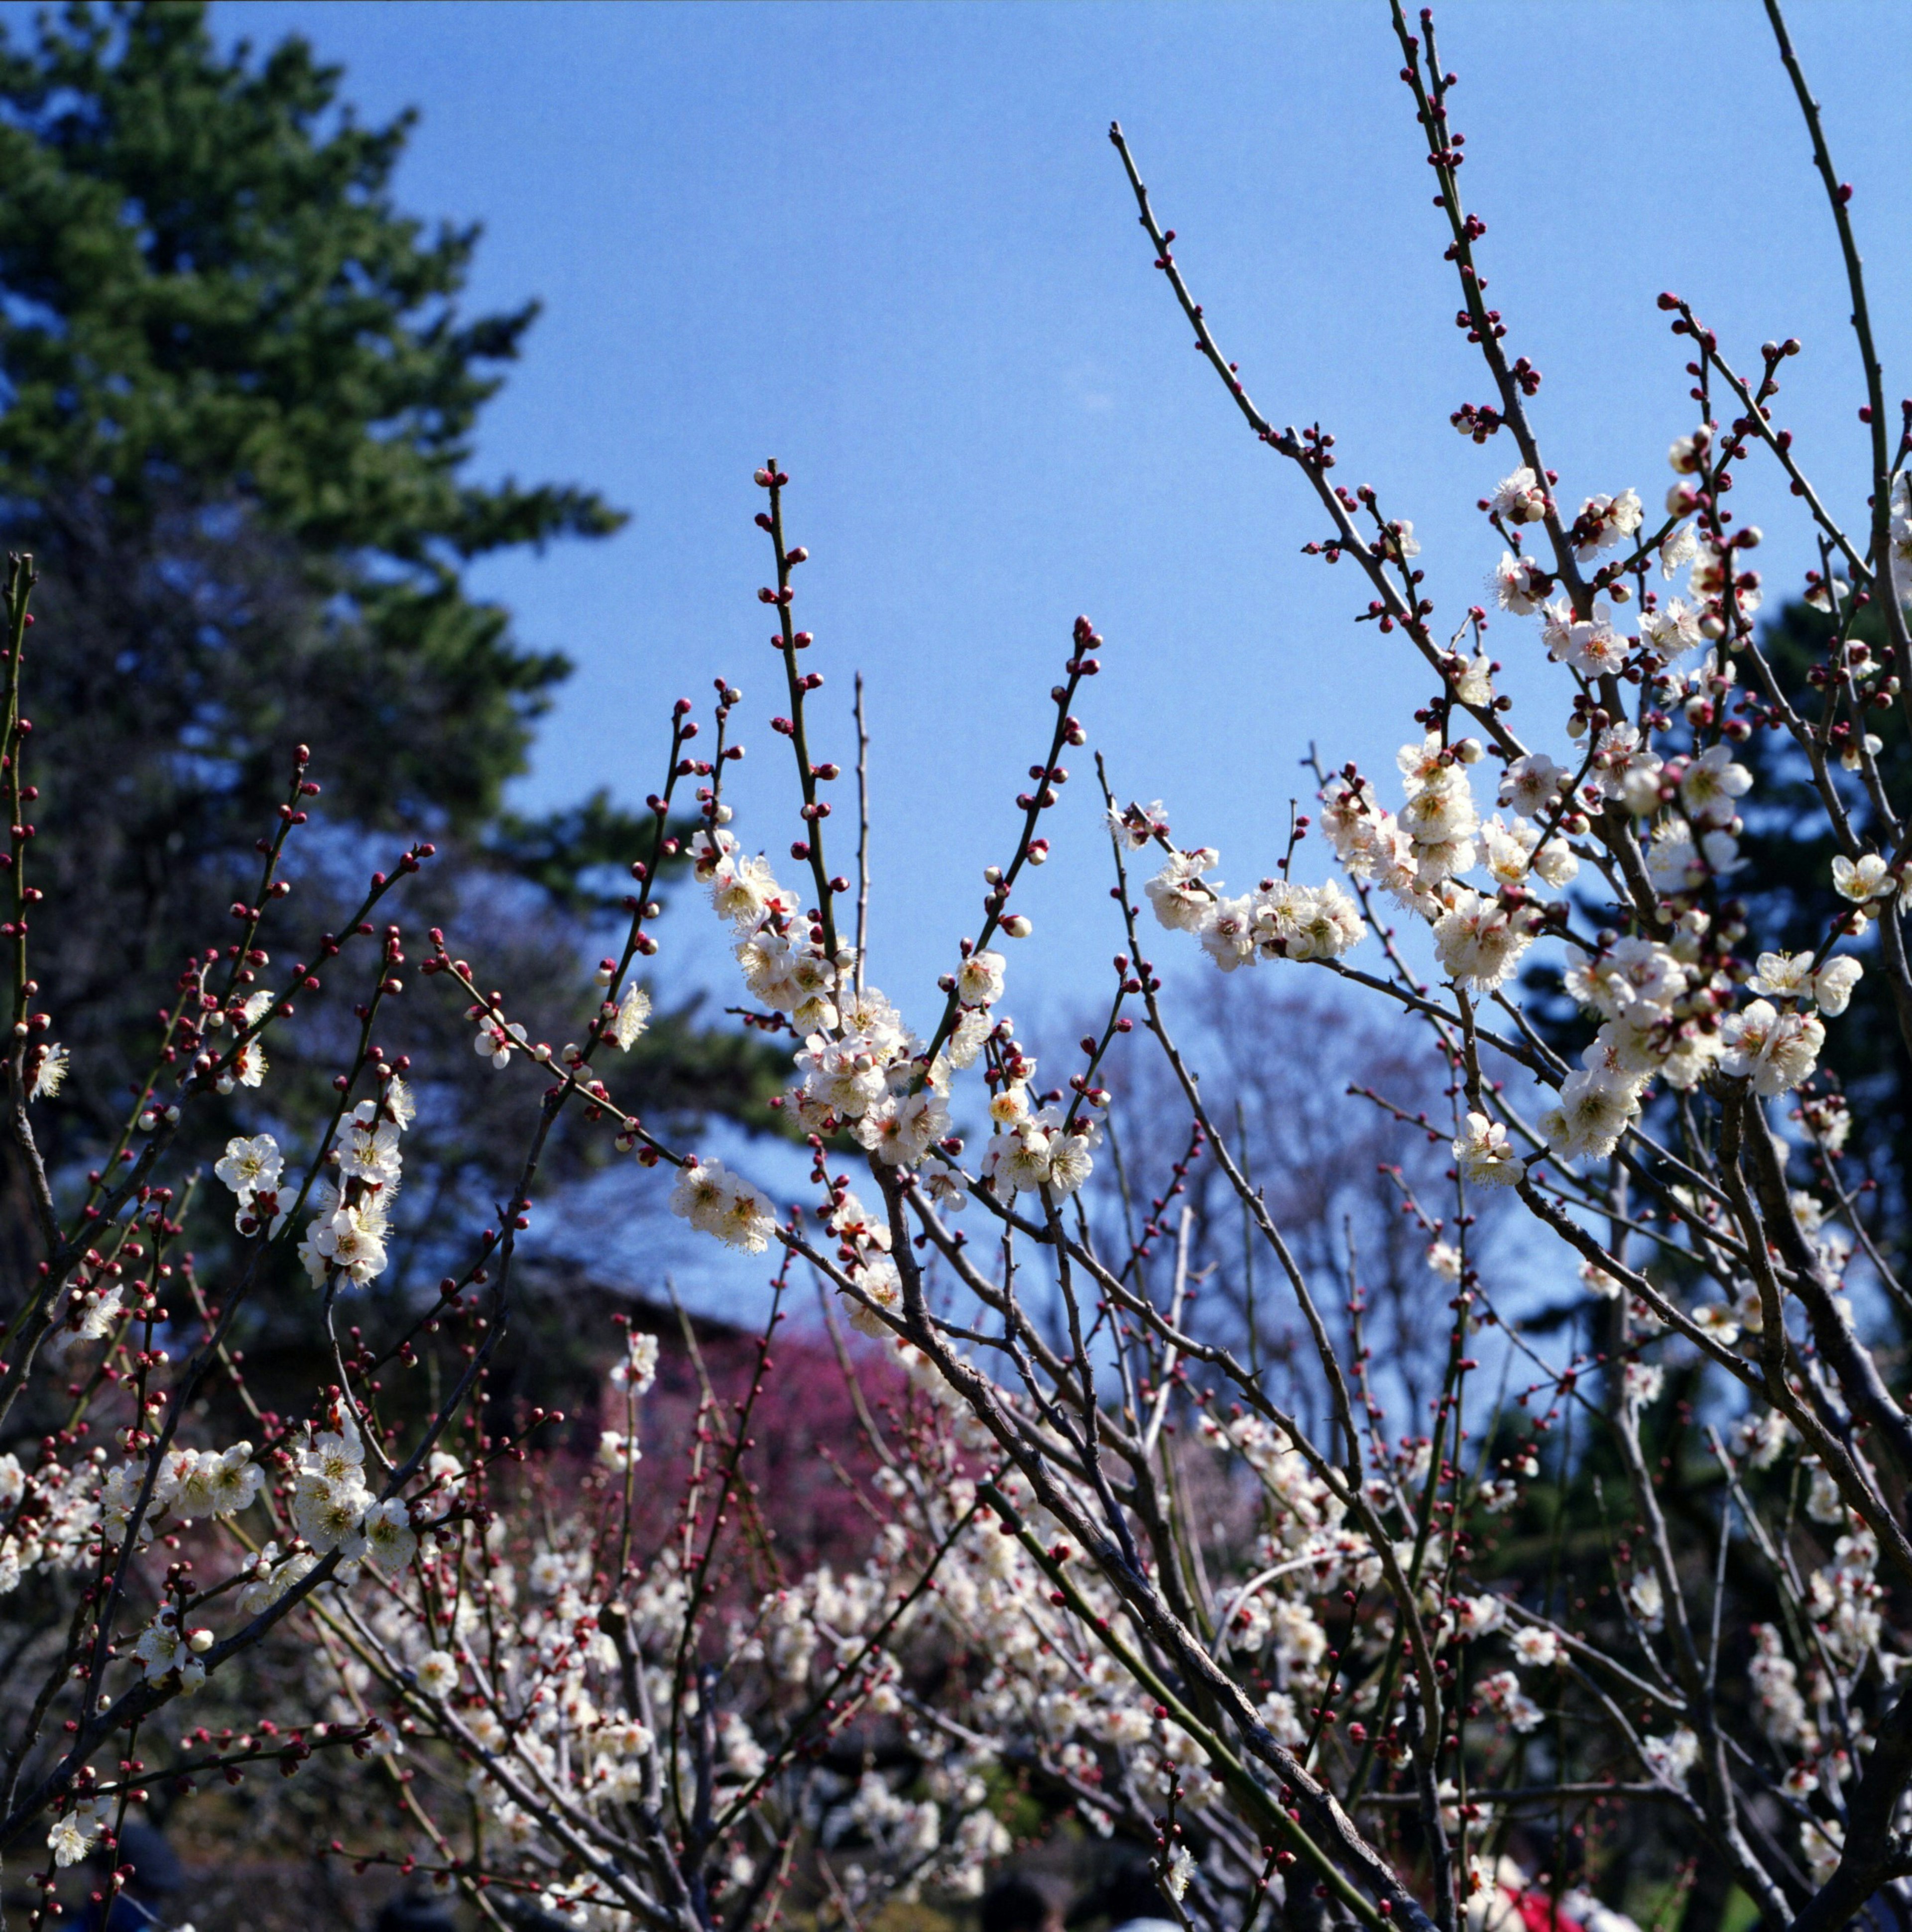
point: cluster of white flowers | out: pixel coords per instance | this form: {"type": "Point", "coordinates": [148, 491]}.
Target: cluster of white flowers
{"type": "Point", "coordinates": [1279, 920]}
{"type": "Point", "coordinates": [1667, 1007]}
{"type": "Point", "coordinates": [1035, 1146]}
{"type": "Point", "coordinates": [501, 1648]}
{"type": "Point", "coordinates": [716, 1201]}
{"type": "Point", "coordinates": [346, 1238]}
{"type": "Point", "coordinates": [868, 1074]}
{"type": "Point", "coordinates": [51, 1513]}
{"type": "Point", "coordinates": [333, 1508]}
{"type": "Point", "coordinates": [863, 1248]}
{"type": "Point", "coordinates": [248, 1068]}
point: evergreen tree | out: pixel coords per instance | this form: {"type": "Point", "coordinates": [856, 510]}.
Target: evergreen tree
{"type": "Point", "coordinates": [1789, 849]}
{"type": "Point", "coordinates": [237, 397]}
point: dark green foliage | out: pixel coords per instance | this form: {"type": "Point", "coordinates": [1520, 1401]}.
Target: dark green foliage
{"type": "Point", "coordinates": [237, 395]}
{"type": "Point", "coordinates": [1789, 850]}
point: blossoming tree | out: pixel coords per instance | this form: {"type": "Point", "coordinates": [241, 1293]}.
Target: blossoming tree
{"type": "Point", "coordinates": [1297, 1663]}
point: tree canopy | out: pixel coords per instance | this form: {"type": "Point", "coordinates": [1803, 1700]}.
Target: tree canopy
{"type": "Point", "coordinates": [239, 391]}
{"type": "Point", "coordinates": [227, 355]}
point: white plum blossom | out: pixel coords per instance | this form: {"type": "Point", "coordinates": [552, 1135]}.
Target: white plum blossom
{"type": "Point", "coordinates": [1833, 984]}
{"type": "Point", "coordinates": [437, 1672]}
{"type": "Point", "coordinates": [1484, 1156]}
{"type": "Point", "coordinates": [1867, 877]}
{"type": "Point", "coordinates": [1592, 646]}
{"type": "Point", "coordinates": [1181, 899]}
{"type": "Point", "coordinates": [1679, 548]}
{"type": "Point", "coordinates": [1228, 932]}
{"type": "Point", "coordinates": [1531, 784]}
{"type": "Point", "coordinates": [1672, 1757]}
{"type": "Point", "coordinates": [1534, 1645]}
{"type": "Point", "coordinates": [219, 1482]}
{"type": "Point", "coordinates": [1590, 1117]}
{"type": "Point", "coordinates": [632, 1017]}
{"type": "Point", "coordinates": [1710, 783]}
{"type": "Point", "coordinates": [980, 979]}
{"type": "Point", "coordinates": [1671, 628]}
{"type": "Point", "coordinates": [1716, 1319]}
{"type": "Point", "coordinates": [1774, 1051]}
{"type": "Point", "coordinates": [1479, 940]}
{"type": "Point", "coordinates": [1647, 1599]}
{"type": "Point", "coordinates": [1607, 519]}
{"type": "Point", "coordinates": [1520, 498]}
{"type": "Point", "coordinates": [1139, 826]}
{"type": "Point", "coordinates": [74, 1835]}
{"type": "Point", "coordinates": [1518, 584]}
{"type": "Point", "coordinates": [1501, 1691]}
{"type": "Point", "coordinates": [391, 1542]}
{"type": "Point", "coordinates": [900, 1131]}
{"type": "Point", "coordinates": [715, 1202]}
{"type": "Point", "coordinates": [250, 1166]}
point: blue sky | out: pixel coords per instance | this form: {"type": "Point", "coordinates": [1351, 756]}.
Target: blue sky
{"type": "Point", "coordinates": [892, 245]}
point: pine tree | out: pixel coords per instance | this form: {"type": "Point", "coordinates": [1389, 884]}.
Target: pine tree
{"type": "Point", "coordinates": [238, 396]}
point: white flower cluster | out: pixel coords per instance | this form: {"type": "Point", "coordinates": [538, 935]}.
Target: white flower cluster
{"type": "Point", "coordinates": [248, 1068]}
{"type": "Point", "coordinates": [51, 1513]}
{"type": "Point", "coordinates": [351, 1215]}
{"type": "Point", "coordinates": [1668, 1007]}
{"type": "Point", "coordinates": [332, 1507]}
{"type": "Point", "coordinates": [1034, 1146]}
{"type": "Point", "coordinates": [715, 1202]}
{"type": "Point", "coordinates": [868, 1073]}
{"type": "Point", "coordinates": [1278, 921]}
{"type": "Point", "coordinates": [501, 1648]}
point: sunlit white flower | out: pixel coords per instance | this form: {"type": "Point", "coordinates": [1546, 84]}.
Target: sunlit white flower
{"type": "Point", "coordinates": [638, 1369]}
{"type": "Point", "coordinates": [715, 1202]}
{"type": "Point", "coordinates": [1783, 976]}
{"type": "Point", "coordinates": [1479, 940]}
{"type": "Point", "coordinates": [632, 1017]}
{"type": "Point", "coordinates": [73, 1836]}
{"type": "Point", "coordinates": [1534, 1645]}
{"type": "Point", "coordinates": [1647, 1600]}
{"type": "Point", "coordinates": [1520, 498]}
{"type": "Point", "coordinates": [1501, 1691]}
{"type": "Point", "coordinates": [1228, 933]}
{"type": "Point", "coordinates": [249, 1165]}
{"type": "Point", "coordinates": [220, 1483]}
{"type": "Point", "coordinates": [49, 1072]}
{"type": "Point", "coordinates": [1590, 1119]}
{"type": "Point", "coordinates": [437, 1672]}
{"type": "Point", "coordinates": [1717, 1320]}
{"type": "Point", "coordinates": [1137, 826]}
{"type": "Point", "coordinates": [1775, 1051]}
{"type": "Point", "coordinates": [1833, 984]}
{"type": "Point", "coordinates": [1866, 878]}
{"type": "Point", "coordinates": [1672, 628]}
{"type": "Point", "coordinates": [1483, 1155]}
{"type": "Point", "coordinates": [1518, 584]}
{"type": "Point", "coordinates": [1180, 898]}
{"type": "Point", "coordinates": [1678, 548]}
{"type": "Point", "coordinates": [1531, 784]}
{"type": "Point", "coordinates": [980, 979]}
{"type": "Point", "coordinates": [901, 1131]}
{"type": "Point", "coordinates": [1672, 1757]}
{"type": "Point", "coordinates": [391, 1542]}
{"type": "Point", "coordinates": [1711, 782]}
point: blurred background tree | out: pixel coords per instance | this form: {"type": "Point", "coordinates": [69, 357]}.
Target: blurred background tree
{"type": "Point", "coordinates": [238, 398]}
{"type": "Point", "coordinates": [1790, 851]}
